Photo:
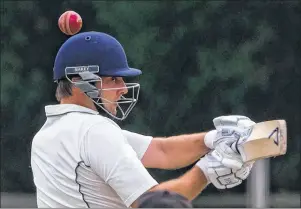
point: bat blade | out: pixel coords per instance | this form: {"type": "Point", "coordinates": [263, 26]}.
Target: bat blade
{"type": "Point", "coordinates": [266, 139]}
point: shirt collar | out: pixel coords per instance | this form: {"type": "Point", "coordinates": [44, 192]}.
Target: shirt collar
{"type": "Point", "coordinates": [59, 109]}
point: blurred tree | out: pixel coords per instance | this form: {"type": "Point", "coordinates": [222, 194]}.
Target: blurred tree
{"type": "Point", "coordinates": [200, 59]}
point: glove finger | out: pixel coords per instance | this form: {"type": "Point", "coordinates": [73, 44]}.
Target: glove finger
{"type": "Point", "coordinates": [229, 120]}
{"type": "Point", "coordinates": [232, 132]}
{"type": "Point", "coordinates": [217, 184]}
{"type": "Point", "coordinates": [243, 173]}
{"type": "Point", "coordinates": [213, 177]}
{"type": "Point", "coordinates": [234, 185]}
{"type": "Point", "coordinates": [227, 149]}
{"type": "Point", "coordinates": [217, 155]}
{"type": "Point", "coordinates": [222, 171]}
{"type": "Point", "coordinates": [228, 179]}
{"type": "Point", "coordinates": [230, 163]}
{"type": "Point", "coordinates": [245, 123]}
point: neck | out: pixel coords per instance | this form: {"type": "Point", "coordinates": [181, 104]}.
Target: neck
{"type": "Point", "coordinates": [71, 100]}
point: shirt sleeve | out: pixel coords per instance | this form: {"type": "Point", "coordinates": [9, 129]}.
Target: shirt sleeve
{"type": "Point", "coordinates": [138, 142]}
{"type": "Point", "coordinates": [115, 161]}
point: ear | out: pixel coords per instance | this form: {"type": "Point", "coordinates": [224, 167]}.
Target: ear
{"type": "Point", "coordinates": [74, 79]}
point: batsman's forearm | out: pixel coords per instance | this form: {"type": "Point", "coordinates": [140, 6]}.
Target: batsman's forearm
{"type": "Point", "coordinates": [190, 185]}
{"type": "Point", "coordinates": [183, 150]}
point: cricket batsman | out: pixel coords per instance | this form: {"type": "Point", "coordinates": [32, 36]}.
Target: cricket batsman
{"type": "Point", "coordinates": [81, 158]}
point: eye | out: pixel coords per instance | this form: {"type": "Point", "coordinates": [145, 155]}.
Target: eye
{"type": "Point", "coordinates": [114, 79]}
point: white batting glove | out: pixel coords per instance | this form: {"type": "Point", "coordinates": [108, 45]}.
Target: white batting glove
{"type": "Point", "coordinates": [221, 176]}
{"type": "Point", "coordinates": [229, 129]}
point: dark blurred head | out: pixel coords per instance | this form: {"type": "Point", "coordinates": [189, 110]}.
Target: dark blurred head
{"type": "Point", "coordinates": [163, 199]}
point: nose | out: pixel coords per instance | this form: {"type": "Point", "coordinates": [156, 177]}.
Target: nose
{"type": "Point", "coordinates": [124, 89]}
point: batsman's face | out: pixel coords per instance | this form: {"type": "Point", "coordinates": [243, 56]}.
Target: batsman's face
{"type": "Point", "coordinates": [112, 89]}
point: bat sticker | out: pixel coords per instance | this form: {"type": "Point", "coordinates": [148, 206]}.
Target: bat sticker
{"type": "Point", "coordinates": [276, 139]}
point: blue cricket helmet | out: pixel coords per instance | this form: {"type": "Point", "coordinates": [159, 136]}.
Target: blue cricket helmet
{"type": "Point", "coordinates": [93, 49]}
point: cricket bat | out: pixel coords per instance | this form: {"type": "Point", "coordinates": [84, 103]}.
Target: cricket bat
{"type": "Point", "coordinates": [265, 139]}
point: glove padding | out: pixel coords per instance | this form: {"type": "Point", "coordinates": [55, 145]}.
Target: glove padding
{"type": "Point", "coordinates": [221, 176]}
{"type": "Point", "coordinates": [230, 130]}
{"type": "Point", "coordinates": [237, 122]}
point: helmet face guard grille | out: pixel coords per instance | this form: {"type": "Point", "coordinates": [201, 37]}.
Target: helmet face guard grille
{"type": "Point", "coordinates": [86, 84]}
{"type": "Point", "coordinates": [124, 104]}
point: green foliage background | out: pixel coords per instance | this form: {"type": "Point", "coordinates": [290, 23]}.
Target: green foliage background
{"type": "Point", "coordinates": [200, 59]}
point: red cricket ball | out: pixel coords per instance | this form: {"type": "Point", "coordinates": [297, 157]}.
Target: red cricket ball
{"type": "Point", "coordinates": [70, 23]}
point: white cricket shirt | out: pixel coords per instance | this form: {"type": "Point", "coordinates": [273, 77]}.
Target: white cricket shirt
{"type": "Point", "coordinates": [82, 159]}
